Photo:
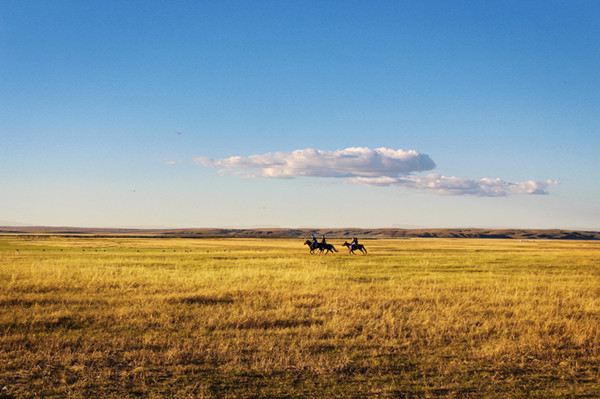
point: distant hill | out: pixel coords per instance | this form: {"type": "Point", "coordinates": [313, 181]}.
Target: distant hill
{"type": "Point", "coordinates": [521, 234]}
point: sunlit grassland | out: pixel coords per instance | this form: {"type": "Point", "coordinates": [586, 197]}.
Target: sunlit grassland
{"type": "Point", "coordinates": [149, 317]}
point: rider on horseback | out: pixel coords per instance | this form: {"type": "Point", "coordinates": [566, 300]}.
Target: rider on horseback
{"type": "Point", "coordinates": [315, 244]}
{"type": "Point", "coordinates": [353, 244]}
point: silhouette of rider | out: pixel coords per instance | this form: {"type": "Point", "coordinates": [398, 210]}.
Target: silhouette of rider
{"type": "Point", "coordinates": [314, 241]}
{"type": "Point", "coordinates": [354, 243]}
{"type": "Point", "coordinates": [323, 240]}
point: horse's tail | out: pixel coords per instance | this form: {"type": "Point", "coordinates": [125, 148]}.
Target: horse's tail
{"type": "Point", "coordinates": [365, 249]}
{"type": "Point", "coordinates": [334, 248]}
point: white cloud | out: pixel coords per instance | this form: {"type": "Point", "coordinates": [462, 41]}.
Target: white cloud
{"type": "Point", "coordinates": [168, 161]}
{"type": "Point", "coordinates": [438, 184]}
{"type": "Point", "coordinates": [350, 162]}
{"type": "Point", "coordinates": [372, 167]}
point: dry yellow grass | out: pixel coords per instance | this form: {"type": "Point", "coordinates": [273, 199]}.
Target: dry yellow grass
{"type": "Point", "coordinates": [132, 317]}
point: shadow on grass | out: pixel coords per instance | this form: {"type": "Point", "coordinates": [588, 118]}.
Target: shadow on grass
{"type": "Point", "coordinates": [274, 324]}
{"type": "Point", "coordinates": [200, 300]}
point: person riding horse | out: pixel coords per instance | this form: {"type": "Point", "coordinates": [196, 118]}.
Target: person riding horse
{"type": "Point", "coordinates": [353, 244]}
{"type": "Point", "coordinates": [321, 247]}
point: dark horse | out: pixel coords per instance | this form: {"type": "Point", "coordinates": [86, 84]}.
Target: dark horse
{"type": "Point", "coordinates": [320, 247]}
{"type": "Point", "coordinates": [360, 247]}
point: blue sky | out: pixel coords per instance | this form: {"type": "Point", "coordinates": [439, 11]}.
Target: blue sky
{"type": "Point", "coordinates": [340, 114]}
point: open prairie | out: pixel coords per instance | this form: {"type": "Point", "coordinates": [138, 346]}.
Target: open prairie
{"type": "Point", "coordinates": [216, 318]}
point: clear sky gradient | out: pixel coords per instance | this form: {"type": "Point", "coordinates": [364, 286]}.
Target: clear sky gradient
{"type": "Point", "coordinates": [300, 114]}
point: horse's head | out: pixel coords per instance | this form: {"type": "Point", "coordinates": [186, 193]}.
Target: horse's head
{"type": "Point", "coordinates": [346, 244]}
{"type": "Point", "coordinates": [307, 242]}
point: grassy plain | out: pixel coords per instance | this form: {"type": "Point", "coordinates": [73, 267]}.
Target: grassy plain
{"type": "Point", "coordinates": [217, 318]}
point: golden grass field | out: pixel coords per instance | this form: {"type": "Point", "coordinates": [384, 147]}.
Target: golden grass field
{"type": "Point", "coordinates": [253, 318]}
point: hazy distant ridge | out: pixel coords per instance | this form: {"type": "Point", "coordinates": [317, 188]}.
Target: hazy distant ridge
{"type": "Point", "coordinates": [521, 234]}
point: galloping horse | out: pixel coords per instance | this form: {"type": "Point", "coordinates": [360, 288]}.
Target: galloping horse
{"type": "Point", "coordinates": [311, 246]}
{"type": "Point", "coordinates": [351, 250]}
{"type": "Point", "coordinates": [327, 247]}
{"type": "Point", "coordinates": [320, 247]}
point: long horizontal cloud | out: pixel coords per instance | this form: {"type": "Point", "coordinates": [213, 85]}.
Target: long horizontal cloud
{"type": "Point", "coordinates": [350, 162]}
{"type": "Point", "coordinates": [438, 184]}
{"type": "Point", "coordinates": [372, 167]}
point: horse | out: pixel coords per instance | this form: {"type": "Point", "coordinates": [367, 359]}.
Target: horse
{"type": "Point", "coordinates": [320, 247]}
{"type": "Point", "coordinates": [311, 246]}
{"type": "Point", "coordinates": [327, 247]}
{"type": "Point", "coordinates": [351, 250]}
